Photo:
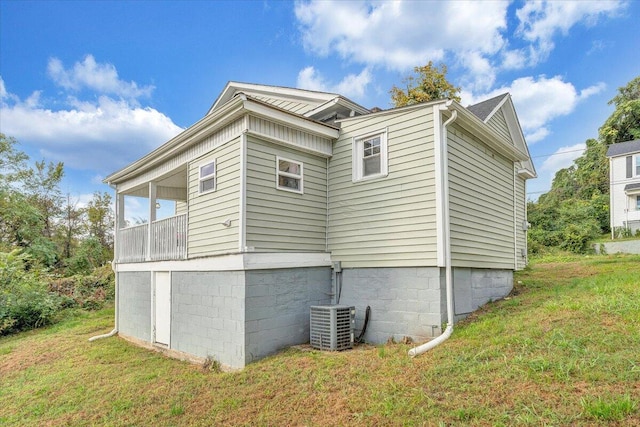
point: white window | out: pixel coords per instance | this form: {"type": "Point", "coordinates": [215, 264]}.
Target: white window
{"type": "Point", "coordinates": [636, 168]}
{"type": "Point", "coordinates": [370, 157]}
{"type": "Point", "coordinates": [289, 175]}
{"type": "Point", "coordinates": [638, 203]}
{"type": "Point", "coordinates": [207, 180]}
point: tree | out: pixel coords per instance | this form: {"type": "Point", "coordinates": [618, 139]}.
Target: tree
{"type": "Point", "coordinates": [12, 162]}
{"type": "Point", "coordinates": [70, 227]}
{"type": "Point", "coordinates": [101, 218]}
{"type": "Point", "coordinates": [624, 123]}
{"type": "Point", "coordinates": [429, 83]}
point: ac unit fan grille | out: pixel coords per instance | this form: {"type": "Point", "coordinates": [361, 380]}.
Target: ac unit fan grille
{"type": "Point", "coordinates": [332, 327]}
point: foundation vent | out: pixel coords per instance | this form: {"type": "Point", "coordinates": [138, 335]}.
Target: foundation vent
{"type": "Point", "coordinates": [332, 327]}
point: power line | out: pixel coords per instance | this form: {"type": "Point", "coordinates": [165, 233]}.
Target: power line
{"type": "Point", "coordinates": [559, 153]}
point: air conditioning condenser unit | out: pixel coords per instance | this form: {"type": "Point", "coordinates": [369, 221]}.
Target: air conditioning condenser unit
{"type": "Point", "coordinates": [332, 327]}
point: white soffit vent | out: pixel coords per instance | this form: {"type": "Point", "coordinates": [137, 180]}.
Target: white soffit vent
{"type": "Point", "coordinates": [332, 327]}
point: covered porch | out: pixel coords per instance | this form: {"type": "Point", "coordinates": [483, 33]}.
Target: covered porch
{"type": "Point", "coordinates": [153, 238]}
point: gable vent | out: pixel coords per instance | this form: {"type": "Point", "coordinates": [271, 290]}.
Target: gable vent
{"type": "Point", "coordinates": [332, 327]}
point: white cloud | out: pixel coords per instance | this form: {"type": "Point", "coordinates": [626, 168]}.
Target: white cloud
{"type": "Point", "coordinates": [540, 21]}
{"type": "Point", "coordinates": [353, 85]}
{"type": "Point", "coordinates": [89, 74]}
{"type": "Point", "coordinates": [102, 135]}
{"type": "Point", "coordinates": [539, 101]}
{"type": "Point", "coordinates": [399, 35]}
{"type": "Point", "coordinates": [562, 158]}
{"type": "Point", "coordinates": [474, 35]}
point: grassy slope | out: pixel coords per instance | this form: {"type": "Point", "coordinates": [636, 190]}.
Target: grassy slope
{"type": "Point", "coordinates": [564, 349]}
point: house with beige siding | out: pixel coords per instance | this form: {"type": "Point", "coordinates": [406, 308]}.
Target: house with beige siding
{"type": "Point", "coordinates": [624, 171]}
{"type": "Point", "coordinates": [288, 198]}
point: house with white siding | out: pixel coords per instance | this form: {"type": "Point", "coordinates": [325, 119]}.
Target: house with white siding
{"type": "Point", "coordinates": [288, 198]}
{"type": "Point", "coordinates": [624, 178]}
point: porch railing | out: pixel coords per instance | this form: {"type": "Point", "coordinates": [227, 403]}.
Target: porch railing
{"type": "Point", "coordinates": [169, 238]}
{"type": "Point", "coordinates": [168, 241]}
{"type": "Point", "coordinates": [132, 243]}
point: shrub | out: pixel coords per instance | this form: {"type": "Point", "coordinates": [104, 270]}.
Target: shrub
{"type": "Point", "coordinates": [25, 301]}
{"type": "Point", "coordinates": [86, 291]}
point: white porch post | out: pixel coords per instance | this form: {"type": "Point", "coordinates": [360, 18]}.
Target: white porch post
{"type": "Point", "coordinates": [119, 224]}
{"type": "Point", "coordinates": [152, 217]}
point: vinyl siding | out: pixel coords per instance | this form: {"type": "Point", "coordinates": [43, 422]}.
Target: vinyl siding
{"type": "Point", "coordinates": [290, 136]}
{"type": "Point", "coordinates": [499, 124]}
{"type": "Point", "coordinates": [623, 206]}
{"type": "Point", "coordinates": [481, 204]}
{"type": "Point", "coordinates": [289, 105]}
{"type": "Point", "coordinates": [181, 207]}
{"type": "Point", "coordinates": [207, 212]}
{"type": "Point", "coordinates": [279, 220]}
{"type": "Point", "coordinates": [390, 221]}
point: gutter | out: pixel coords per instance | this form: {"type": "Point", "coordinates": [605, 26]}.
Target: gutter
{"type": "Point", "coordinates": [447, 239]}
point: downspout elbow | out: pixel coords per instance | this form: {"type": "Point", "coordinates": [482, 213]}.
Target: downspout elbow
{"type": "Point", "coordinates": [447, 244]}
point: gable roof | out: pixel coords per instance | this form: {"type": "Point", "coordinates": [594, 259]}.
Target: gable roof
{"type": "Point", "coordinates": [307, 103]}
{"type": "Point", "coordinates": [485, 109]}
{"type": "Point", "coordinates": [622, 148]}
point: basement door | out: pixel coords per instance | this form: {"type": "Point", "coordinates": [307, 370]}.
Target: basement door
{"type": "Point", "coordinates": [162, 318]}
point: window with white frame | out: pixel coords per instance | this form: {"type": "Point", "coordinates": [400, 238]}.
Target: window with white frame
{"type": "Point", "coordinates": [370, 157]}
{"type": "Point", "coordinates": [289, 176]}
{"type": "Point", "coordinates": [207, 177]}
{"type": "Point", "coordinates": [638, 203]}
{"type": "Point", "coordinates": [636, 168]}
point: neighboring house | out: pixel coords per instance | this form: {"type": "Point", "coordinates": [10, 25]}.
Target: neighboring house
{"type": "Point", "coordinates": [288, 198]}
{"type": "Point", "coordinates": [624, 176]}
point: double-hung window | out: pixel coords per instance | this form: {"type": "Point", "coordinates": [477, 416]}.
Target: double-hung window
{"type": "Point", "coordinates": [637, 165]}
{"type": "Point", "coordinates": [207, 177]}
{"type": "Point", "coordinates": [289, 175]}
{"type": "Point", "coordinates": [370, 157]}
{"type": "Point", "coordinates": [638, 203]}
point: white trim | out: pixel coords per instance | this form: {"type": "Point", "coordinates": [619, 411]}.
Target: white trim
{"type": "Point", "coordinates": [286, 143]}
{"type": "Point", "coordinates": [514, 171]}
{"type": "Point", "coordinates": [242, 214]}
{"type": "Point", "coordinates": [299, 176]}
{"type": "Point", "coordinates": [291, 119]}
{"type": "Point", "coordinates": [357, 169]}
{"type": "Point", "coordinates": [208, 177]}
{"type": "Point", "coordinates": [437, 137]}
{"type": "Point", "coordinates": [235, 262]}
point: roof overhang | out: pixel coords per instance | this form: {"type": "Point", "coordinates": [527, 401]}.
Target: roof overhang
{"type": "Point", "coordinates": [631, 189]}
{"type": "Point", "coordinates": [488, 135]}
{"type": "Point", "coordinates": [232, 88]}
{"type": "Point", "coordinates": [235, 108]}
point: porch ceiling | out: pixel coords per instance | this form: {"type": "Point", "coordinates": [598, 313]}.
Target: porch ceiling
{"type": "Point", "coordinates": [170, 186]}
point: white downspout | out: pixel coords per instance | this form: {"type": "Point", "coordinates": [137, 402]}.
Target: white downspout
{"type": "Point", "coordinates": [113, 267]}
{"type": "Point", "coordinates": [447, 242]}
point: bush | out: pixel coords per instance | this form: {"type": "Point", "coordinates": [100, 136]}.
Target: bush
{"type": "Point", "coordinates": [86, 291]}
{"type": "Point", "coordinates": [25, 301]}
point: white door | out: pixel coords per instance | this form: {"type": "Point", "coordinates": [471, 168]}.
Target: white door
{"type": "Point", "coordinates": [163, 308]}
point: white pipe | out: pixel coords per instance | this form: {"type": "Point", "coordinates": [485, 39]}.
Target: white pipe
{"type": "Point", "coordinates": [447, 242]}
{"type": "Point", "coordinates": [113, 267]}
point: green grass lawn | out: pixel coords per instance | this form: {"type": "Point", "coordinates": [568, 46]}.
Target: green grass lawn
{"type": "Point", "coordinates": [563, 349]}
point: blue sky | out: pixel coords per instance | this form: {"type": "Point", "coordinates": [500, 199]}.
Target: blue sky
{"type": "Point", "coordinates": [99, 84]}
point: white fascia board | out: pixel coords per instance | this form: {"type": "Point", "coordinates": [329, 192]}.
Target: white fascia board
{"type": "Point", "coordinates": [234, 262]}
{"type": "Point", "coordinates": [279, 91]}
{"type": "Point", "coordinates": [497, 107]}
{"type": "Point", "coordinates": [397, 110]}
{"type": "Point", "coordinates": [229, 112]}
{"type": "Point", "coordinates": [290, 119]}
{"type": "Point", "coordinates": [487, 135]}
{"type": "Point", "coordinates": [340, 101]}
